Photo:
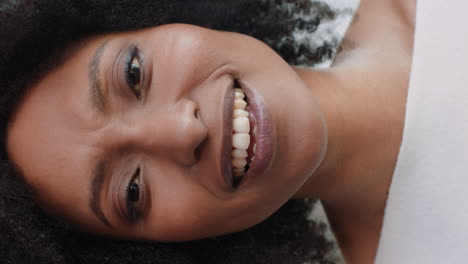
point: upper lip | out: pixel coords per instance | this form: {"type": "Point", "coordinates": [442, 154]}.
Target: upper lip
{"type": "Point", "coordinates": [226, 143]}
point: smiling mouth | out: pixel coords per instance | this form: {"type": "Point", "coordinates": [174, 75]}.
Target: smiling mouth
{"type": "Point", "coordinates": [243, 136]}
{"type": "Point", "coordinates": [247, 145]}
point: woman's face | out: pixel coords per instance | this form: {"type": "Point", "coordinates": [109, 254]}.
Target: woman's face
{"type": "Point", "coordinates": [133, 135]}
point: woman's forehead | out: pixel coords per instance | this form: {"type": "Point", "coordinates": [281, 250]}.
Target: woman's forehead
{"type": "Point", "coordinates": [46, 138]}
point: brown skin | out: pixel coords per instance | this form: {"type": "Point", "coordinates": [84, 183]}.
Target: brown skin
{"type": "Point", "coordinates": [57, 136]}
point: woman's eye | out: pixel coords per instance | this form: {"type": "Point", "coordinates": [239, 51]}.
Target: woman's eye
{"type": "Point", "coordinates": [133, 73]}
{"type": "Point", "coordinates": [133, 196]}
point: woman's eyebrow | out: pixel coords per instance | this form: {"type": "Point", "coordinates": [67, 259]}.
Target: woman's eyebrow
{"type": "Point", "coordinates": [98, 176]}
{"type": "Point", "coordinates": [98, 99]}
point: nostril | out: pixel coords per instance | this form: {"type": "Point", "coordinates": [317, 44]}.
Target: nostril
{"type": "Point", "coordinates": [197, 152]}
{"type": "Point", "coordinates": [197, 114]}
{"type": "Point", "coordinates": [199, 149]}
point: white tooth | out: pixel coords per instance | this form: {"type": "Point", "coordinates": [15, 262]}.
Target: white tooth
{"type": "Point", "coordinates": [238, 173]}
{"type": "Point", "coordinates": [240, 113]}
{"type": "Point", "coordinates": [241, 125]}
{"type": "Point", "coordinates": [239, 104]}
{"type": "Point", "coordinates": [237, 153]}
{"type": "Point", "coordinates": [238, 169]}
{"type": "Point", "coordinates": [240, 141]}
{"type": "Point", "coordinates": [239, 163]}
{"type": "Point", "coordinates": [239, 90]}
{"type": "Point", "coordinates": [253, 158]}
{"type": "Point", "coordinates": [239, 95]}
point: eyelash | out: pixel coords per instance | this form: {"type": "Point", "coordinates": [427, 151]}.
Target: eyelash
{"type": "Point", "coordinates": [133, 195]}
{"type": "Point", "coordinates": [133, 72]}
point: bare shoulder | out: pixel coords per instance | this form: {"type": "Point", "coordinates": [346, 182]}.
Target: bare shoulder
{"type": "Point", "coordinates": [407, 10]}
{"type": "Point", "coordinates": [373, 23]}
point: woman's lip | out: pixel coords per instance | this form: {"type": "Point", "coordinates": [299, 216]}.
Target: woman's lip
{"type": "Point", "coordinates": [226, 148]}
{"type": "Point", "coordinates": [264, 134]}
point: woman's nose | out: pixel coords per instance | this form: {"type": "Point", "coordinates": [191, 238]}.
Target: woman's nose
{"type": "Point", "coordinates": [174, 133]}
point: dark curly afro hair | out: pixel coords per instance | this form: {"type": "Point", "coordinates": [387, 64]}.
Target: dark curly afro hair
{"type": "Point", "coordinates": [32, 35]}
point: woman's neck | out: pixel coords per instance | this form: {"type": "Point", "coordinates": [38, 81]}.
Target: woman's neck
{"type": "Point", "coordinates": [363, 97]}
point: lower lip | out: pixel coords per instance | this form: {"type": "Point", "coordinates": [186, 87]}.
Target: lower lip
{"type": "Point", "coordinates": [264, 135]}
